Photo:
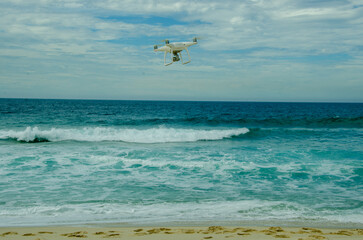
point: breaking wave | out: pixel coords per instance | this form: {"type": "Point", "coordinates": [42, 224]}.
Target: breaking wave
{"type": "Point", "coordinates": [97, 134]}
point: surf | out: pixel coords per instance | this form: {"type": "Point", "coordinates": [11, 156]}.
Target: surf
{"type": "Point", "coordinates": [132, 135]}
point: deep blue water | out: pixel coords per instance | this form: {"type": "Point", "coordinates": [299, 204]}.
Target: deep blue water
{"type": "Point", "coordinates": [75, 161]}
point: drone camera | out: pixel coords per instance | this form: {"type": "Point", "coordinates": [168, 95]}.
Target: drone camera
{"type": "Point", "coordinates": [195, 39]}
{"type": "Point", "coordinates": [176, 57]}
{"type": "Point", "coordinates": [155, 47]}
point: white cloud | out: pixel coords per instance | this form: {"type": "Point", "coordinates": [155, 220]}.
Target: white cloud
{"type": "Point", "coordinates": [228, 24]}
{"type": "Point", "coordinates": [260, 34]}
{"type": "Point", "coordinates": [156, 7]}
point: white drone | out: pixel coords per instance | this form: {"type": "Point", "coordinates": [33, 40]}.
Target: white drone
{"type": "Point", "coordinates": [175, 49]}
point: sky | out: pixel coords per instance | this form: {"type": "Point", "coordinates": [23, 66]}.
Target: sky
{"type": "Point", "coordinates": [254, 50]}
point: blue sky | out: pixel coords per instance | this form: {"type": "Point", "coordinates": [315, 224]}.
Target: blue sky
{"type": "Point", "coordinates": [255, 50]}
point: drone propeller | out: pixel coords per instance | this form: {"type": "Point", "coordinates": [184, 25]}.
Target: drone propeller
{"type": "Point", "coordinates": [157, 46]}
{"type": "Point", "coordinates": [195, 39]}
{"type": "Point", "coordinates": [166, 41]}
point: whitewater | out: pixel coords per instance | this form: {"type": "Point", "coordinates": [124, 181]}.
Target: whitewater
{"type": "Point", "coordinates": [152, 135]}
{"type": "Point", "coordinates": [148, 162]}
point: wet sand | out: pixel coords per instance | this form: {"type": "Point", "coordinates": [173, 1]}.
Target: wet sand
{"type": "Point", "coordinates": [177, 233]}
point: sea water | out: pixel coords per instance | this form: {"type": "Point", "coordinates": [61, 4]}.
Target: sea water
{"type": "Point", "coordinates": [147, 162]}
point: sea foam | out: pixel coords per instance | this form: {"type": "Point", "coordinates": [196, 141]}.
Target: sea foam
{"type": "Point", "coordinates": [97, 134]}
{"type": "Point", "coordinates": [252, 211]}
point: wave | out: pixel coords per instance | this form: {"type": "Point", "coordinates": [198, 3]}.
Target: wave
{"type": "Point", "coordinates": [97, 134]}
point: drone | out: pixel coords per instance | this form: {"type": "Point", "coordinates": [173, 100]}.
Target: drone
{"type": "Point", "coordinates": [175, 50]}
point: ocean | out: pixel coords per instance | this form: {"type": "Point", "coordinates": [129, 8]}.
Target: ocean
{"type": "Point", "coordinates": [149, 162]}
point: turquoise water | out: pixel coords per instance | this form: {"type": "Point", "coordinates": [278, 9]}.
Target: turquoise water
{"type": "Point", "coordinates": [142, 162]}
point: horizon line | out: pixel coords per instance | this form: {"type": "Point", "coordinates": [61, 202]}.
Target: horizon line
{"type": "Point", "coordinates": [164, 100]}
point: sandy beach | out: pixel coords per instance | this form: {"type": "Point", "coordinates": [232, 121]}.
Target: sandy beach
{"type": "Point", "coordinates": [190, 233]}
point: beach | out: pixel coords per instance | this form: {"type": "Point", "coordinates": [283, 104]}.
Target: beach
{"type": "Point", "coordinates": [181, 233]}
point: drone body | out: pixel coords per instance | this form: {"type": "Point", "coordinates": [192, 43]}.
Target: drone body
{"type": "Point", "coordinates": [175, 50]}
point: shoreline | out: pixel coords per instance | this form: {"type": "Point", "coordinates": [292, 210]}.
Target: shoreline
{"type": "Point", "coordinates": [199, 223]}
{"type": "Point", "coordinates": [217, 232]}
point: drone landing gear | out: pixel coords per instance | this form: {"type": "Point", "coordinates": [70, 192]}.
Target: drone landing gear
{"type": "Point", "coordinates": [186, 49]}
{"type": "Point", "coordinates": [176, 57]}
{"type": "Point", "coordinates": [167, 64]}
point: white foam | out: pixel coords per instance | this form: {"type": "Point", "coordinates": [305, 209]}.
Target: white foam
{"type": "Point", "coordinates": [245, 210]}
{"type": "Point", "coordinates": [96, 134]}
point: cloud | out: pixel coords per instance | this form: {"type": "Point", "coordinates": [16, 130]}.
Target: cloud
{"type": "Point", "coordinates": [226, 25]}
{"type": "Point", "coordinates": [252, 39]}
{"type": "Point", "coordinates": [155, 7]}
